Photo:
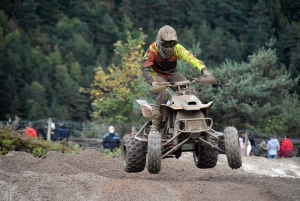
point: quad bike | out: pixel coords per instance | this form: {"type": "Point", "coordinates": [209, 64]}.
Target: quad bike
{"type": "Point", "coordinates": [185, 121]}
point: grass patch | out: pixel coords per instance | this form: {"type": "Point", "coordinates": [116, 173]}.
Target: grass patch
{"type": "Point", "coordinates": [115, 153]}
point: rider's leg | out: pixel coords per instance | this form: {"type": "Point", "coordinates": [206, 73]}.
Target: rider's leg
{"type": "Point", "coordinates": [161, 98]}
{"type": "Point", "coordinates": [177, 77]}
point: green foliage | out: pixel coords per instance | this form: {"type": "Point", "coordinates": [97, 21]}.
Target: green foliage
{"type": "Point", "coordinates": [36, 103]}
{"type": "Point", "coordinates": [38, 152]}
{"type": "Point", "coordinates": [254, 95]}
{"type": "Point", "coordinates": [11, 140]}
{"type": "Point", "coordinates": [115, 153]}
{"type": "Point", "coordinates": [115, 91]}
{"type": "Point", "coordinates": [67, 28]}
{"type": "Point", "coordinates": [38, 39]}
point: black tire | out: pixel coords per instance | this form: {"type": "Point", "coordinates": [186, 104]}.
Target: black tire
{"type": "Point", "coordinates": [133, 154]}
{"type": "Point", "coordinates": [154, 152]}
{"type": "Point", "coordinates": [205, 157]}
{"type": "Point", "coordinates": [232, 147]}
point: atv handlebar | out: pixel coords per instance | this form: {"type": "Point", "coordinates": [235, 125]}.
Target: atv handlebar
{"type": "Point", "coordinates": [163, 85]}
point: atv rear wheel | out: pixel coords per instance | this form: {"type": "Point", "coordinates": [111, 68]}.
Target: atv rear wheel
{"type": "Point", "coordinates": [154, 152]}
{"type": "Point", "coordinates": [232, 147]}
{"type": "Point", "coordinates": [133, 154]}
{"type": "Point", "coordinates": [205, 157]}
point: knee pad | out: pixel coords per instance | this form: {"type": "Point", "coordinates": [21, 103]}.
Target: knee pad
{"type": "Point", "coordinates": [162, 97]}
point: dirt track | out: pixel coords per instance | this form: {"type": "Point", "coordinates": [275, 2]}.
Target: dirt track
{"type": "Point", "coordinates": [92, 176]}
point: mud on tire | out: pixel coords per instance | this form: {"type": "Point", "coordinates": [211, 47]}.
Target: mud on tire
{"type": "Point", "coordinates": [205, 157]}
{"type": "Point", "coordinates": [232, 148]}
{"type": "Point", "coordinates": [154, 152]}
{"type": "Point", "coordinates": [133, 154]}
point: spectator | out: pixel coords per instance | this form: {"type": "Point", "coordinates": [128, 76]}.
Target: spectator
{"type": "Point", "coordinates": [111, 140]}
{"type": "Point", "coordinates": [248, 148]}
{"type": "Point", "coordinates": [53, 135]}
{"type": "Point", "coordinates": [287, 148]}
{"type": "Point", "coordinates": [30, 132]}
{"type": "Point", "coordinates": [261, 149]}
{"type": "Point", "coordinates": [252, 142]}
{"type": "Point", "coordinates": [241, 145]}
{"type": "Point", "coordinates": [274, 147]}
{"type": "Point", "coordinates": [52, 128]}
{"type": "Point", "coordinates": [63, 132]}
{"type": "Point", "coordinates": [41, 130]}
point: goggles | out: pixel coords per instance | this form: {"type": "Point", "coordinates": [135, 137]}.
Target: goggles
{"type": "Point", "coordinates": [169, 44]}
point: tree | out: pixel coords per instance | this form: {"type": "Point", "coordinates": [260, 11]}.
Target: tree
{"type": "Point", "coordinates": [295, 67]}
{"type": "Point", "coordinates": [253, 96]}
{"type": "Point", "coordinates": [66, 28]}
{"type": "Point", "coordinates": [259, 27]}
{"type": "Point", "coordinates": [230, 16]}
{"type": "Point", "coordinates": [49, 13]}
{"type": "Point", "coordinates": [35, 102]}
{"type": "Point", "coordinates": [288, 41]}
{"type": "Point", "coordinates": [114, 92]}
{"type": "Point", "coordinates": [26, 14]}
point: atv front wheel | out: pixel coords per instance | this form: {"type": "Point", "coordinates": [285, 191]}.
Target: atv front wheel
{"type": "Point", "coordinates": [232, 147]}
{"type": "Point", "coordinates": [154, 152]}
{"type": "Point", "coordinates": [133, 154]}
{"type": "Point", "coordinates": [205, 157]}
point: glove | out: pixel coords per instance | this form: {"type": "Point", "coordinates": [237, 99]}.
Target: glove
{"type": "Point", "coordinates": [208, 78]}
{"type": "Point", "coordinates": [206, 73]}
{"type": "Point", "coordinates": [154, 83]}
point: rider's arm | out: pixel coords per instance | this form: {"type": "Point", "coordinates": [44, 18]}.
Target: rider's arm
{"type": "Point", "coordinates": [186, 55]}
{"type": "Point", "coordinates": [148, 61]}
{"type": "Point", "coordinates": [147, 74]}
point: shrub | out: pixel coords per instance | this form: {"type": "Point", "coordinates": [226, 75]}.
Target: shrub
{"type": "Point", "coordinates": [11, 140]}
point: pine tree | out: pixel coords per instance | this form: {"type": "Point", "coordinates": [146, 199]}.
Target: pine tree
{"type": "Point", "coordinates": [253, 95]}
{"type": "Point", "coordinates": [259, 27]}
{"type": "Point", "coordinates": [231, 16]}
{"type": "Point", "coordinates": [288, 41]}
{"type": "Point", "coordinates": [35, 101]}
{"type": "Point", "coordinates": [295, 67]}
{"type": "Point", "coordinates": [48, 13]}
{"type": "Point", "coordinates": [26, 13]}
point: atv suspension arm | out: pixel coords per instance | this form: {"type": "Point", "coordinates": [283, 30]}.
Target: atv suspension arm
{"type": "Point", "coordinates": [139, 132]}
{"type": "Point", "coordinates": [211, 145]}
{"type": "Point", "coordinates": [176, 147]}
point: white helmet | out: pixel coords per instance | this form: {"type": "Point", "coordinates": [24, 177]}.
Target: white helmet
{"type": "Point", "coordinates": [166, 40]}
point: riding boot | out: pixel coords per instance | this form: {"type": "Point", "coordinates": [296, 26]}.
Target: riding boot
{"type": "Point", "coordinates": [156, 118]}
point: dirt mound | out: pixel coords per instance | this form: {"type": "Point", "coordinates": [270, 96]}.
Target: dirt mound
{"type": "Point", "coordinates": [93, 176]}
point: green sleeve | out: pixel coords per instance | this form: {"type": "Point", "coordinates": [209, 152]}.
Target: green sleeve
{"type": "Point", "coordinates": [186, 55]}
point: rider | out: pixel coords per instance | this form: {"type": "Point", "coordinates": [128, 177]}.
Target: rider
{"type": "Point", "coordinates": [160, 65]}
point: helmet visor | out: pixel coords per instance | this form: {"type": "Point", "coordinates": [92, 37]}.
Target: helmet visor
{"type": "Point", "coordinates": [169, 44]}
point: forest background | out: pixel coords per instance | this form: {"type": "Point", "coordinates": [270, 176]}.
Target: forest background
{"type": "Point", "coordinates": [51, 49]}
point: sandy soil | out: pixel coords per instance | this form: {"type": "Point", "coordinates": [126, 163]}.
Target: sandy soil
{"type": "Point", "coordinates": [93, 176]}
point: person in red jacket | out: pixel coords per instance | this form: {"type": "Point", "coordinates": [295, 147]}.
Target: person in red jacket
{"type": "Point", "coordinates": [30, 132]}
{"type": "Point", "coordinates": [286, 148]}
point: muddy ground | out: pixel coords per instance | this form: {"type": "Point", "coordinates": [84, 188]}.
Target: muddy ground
{"type": "Point", "coordinates": [93, 176]}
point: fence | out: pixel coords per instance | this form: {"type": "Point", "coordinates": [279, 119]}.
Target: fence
{"type": "Point", "coordinates": [89, 133]}
{"type": "Point", "coordinates": [81, 129]}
